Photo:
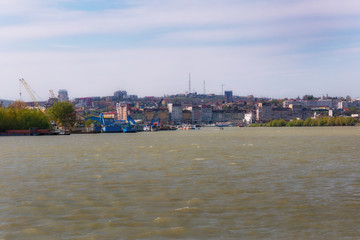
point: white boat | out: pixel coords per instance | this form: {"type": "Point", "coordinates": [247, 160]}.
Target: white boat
{"type": "Point", "coordinates": [187, 127]}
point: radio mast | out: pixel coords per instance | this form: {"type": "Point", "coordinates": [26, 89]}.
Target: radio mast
{"type": "Point", "coordinates": [189, 83]}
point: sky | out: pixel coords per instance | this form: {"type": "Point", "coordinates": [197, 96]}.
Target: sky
{"type": "Point", "coordinates": [267, 48]}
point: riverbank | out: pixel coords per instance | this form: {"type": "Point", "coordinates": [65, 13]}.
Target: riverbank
{"type": "Point", "coordinates": [310, 122]}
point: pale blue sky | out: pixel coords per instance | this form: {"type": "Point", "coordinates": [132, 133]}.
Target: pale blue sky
{"type": "Point", "coordinates": [272, 48]}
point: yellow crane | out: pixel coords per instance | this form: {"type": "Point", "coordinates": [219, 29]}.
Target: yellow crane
{"type": "Point", "coordinates": [52, 96]}
{"type": "Point", "coordinates": [30, 93]}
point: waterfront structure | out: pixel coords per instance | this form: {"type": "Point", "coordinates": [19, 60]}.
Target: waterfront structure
{"type": "Point", "coordinates": [63, 95]}
{"type": "Point", "coordinates": [218, 116]}
{"type": "Point", "coordinates": [249, 118]}
{"type": "Point", "coordinates": [195, 114]}
{"type": "Point", "coordinates": [175, 111]}
{"type": "Point", "coordinates": [110, 115]}
{"type": "Point", "coordinates": [234, 116]}
{"type": "Point", "coordinates": [206, 113]}
{"type": "Point", "coordinates": [137, 114]}
{"type": "Point", "coordinates": [299, 112]}
{"type": "Point", "coordinates": [163, 115]}
{"type": "Point", "coordinates": [266, 112]}
{"type": "Point", "coordinates": [150, 114]}
{"type": "Point", "coordinates": [206, 109]}
{"type": "Point", "coordinates": [186, 116]}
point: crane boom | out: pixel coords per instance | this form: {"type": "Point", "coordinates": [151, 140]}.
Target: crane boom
{"type": "Point", "coordinates": [30, 92]}
{"type": "Point", "coordinates": [52, 96]}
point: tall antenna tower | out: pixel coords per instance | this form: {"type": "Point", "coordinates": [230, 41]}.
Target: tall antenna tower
{"type": "Point", "coordinates": [204, 88]}
{"type": "Point", "coordinates": [189, 82]}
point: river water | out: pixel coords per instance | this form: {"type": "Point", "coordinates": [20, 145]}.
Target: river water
{"type": "Point", "coordinates": [239, 183]}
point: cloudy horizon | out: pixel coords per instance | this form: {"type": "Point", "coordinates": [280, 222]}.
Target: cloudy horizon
{"type": "Point", "coordinates": [276, 48]}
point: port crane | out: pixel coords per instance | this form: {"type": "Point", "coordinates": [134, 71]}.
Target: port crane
{"type": "Point", "coordinates": [155, 121]}
{"type": "Point", "coordinates": [27, 87]}
{"type": "Point", "coordinates": [52, 96]}
{"type": "Point", "coordinates": [109, 125]}
{"type": "Point", "coordinates": [131, 125]}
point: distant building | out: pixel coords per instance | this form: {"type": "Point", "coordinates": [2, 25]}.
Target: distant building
{"type": "Point", "coordinates": [131, 97]}
{"type": "Point", "coordinates": [266, 112]}
{"type": "Point", "coordinates": [87, 101]}
{"type": "Point", "coordinates": [234, 116]}
{"type": "Point", "coordinates": [175, 111]}
{"type": "Point", "coordinates": [137, 114]}
{"type": "Point", "coordinates": [314, 104]}
{"type": "Point", "coordinates": [148, 115]}
{"type": "Point", "coordinates": [206, 114]}
{"type": "Point", "coordinates": [120, 94]}
{"type": "Point", "coordinates": [63, 95]}
{"type": "Point", "coordinates": [229, 96]}
{"type": "Point", "coordinates": [186, 116]}
{"type": "Point", "coordinates": [263, 112]}
{"type": "Point", "coordinates": [347, 104]}
{"type": "Point", "coordinates": [111, 115]}
{"type": "Point", "coordinates": [218, 116]}
{"type": "Point", "coordinates": [151, 114]}
{"type": "Point", "coordinates": [195, 114]}
{"type": "Point", "coordinates": [163, 115]}
{"type": "Point", "coordinates": [298, 112]}
{"type": "Point", "coordinates": [122, 110]}
{"type": "Point", "coordinates": [249, 118]}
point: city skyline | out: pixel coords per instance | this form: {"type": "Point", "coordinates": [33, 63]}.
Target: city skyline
{"type": "Point", "coordinates": [267, 49]}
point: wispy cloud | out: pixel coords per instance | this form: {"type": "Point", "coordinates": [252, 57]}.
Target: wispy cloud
{"type": "Point", "coordinates": [242, 42]}
{"type": "Point", "coordinates": [264, 18]}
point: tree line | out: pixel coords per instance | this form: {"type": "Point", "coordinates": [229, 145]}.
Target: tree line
{"type": "Point", "coordinates": [18, 117]}
{"type": "Point", "coordinates": [309, 122]}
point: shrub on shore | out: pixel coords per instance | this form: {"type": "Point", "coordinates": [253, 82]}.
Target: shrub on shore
{"type": "Point", "coordinates": [324, 121]}
{"type": "Point", "coordinates": [22, 119]}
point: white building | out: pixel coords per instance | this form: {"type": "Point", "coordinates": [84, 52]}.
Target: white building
{"type": "Point", "coordinates": [176, 112]}
{"type": "Point", "coordinates": [122, 110]}
{"type": "Point", "coordinates": [249, 118]}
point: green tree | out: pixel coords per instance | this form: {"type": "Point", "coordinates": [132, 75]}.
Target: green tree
{"type": "Point", "coordinates": [276, 102]}
{"type": "Point", "coordinates": [88, 123]}
{"type": "Point", "coordinates": [62, 113]}
{"type": "Point", "coordinates": [351, 110]}
{"type": "Point", "coordinates": [19, 105]}
{"type": "Point", "coordinates": [22, 119]}
{"type": "Point", "coordinates": [308, 97]}
{"type": "Point", "coordinates": [307, 122]}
